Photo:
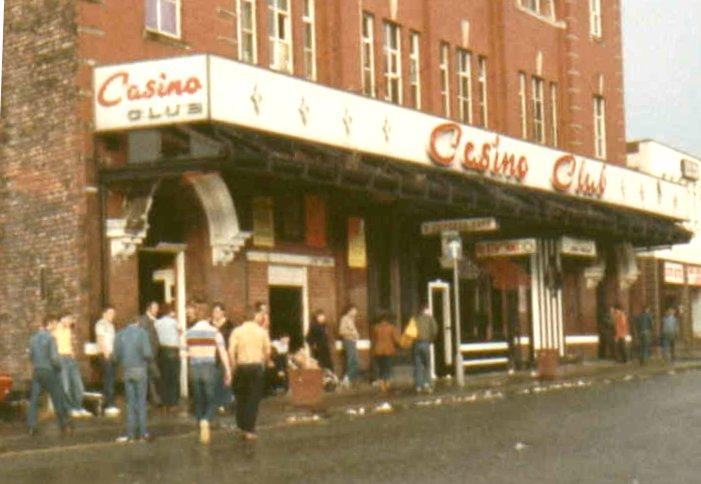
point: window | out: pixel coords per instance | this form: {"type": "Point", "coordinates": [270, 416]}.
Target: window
{"type": "Point", "coordinates": [595, 18]}
{"type": "Point", "coordinates": [523, 104]}
{"type": "Point", "coordinates": [163, 17]}
{"type": "Point", "coordinates": [309, 40]}
{"type": "Point", "coordinates": [415, 70]}
{"type": "Point", "coordinates": [464, 86]}
{"type": "Point", "coordinates": [367, 54]}
{"type": "Point", "coordinates": [538, 111]}
{"type": "Point", "coordinates": [393, 63]}
{"type": "Point", "coordinates": [445, 79]}
{"type": "Point", "coordinates": [553, 114]}
{"type": "Point", "coordinates": [289, 218]}
{"type": "Point", "coordinates": [544, 8]}
{"type": "Point", "coordinates": [482, 91]}
{"type": "Point", "coordinates": [247, 31]}
{"type": "Point", "coordinates": [599, 127]}
{"type": "Point", "coordinates": [280, 35]}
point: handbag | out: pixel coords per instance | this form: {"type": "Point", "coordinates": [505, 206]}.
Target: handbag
{"type": "Point", "coordinates": [411, 332]}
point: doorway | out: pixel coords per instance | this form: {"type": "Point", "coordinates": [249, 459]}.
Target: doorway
{"type": "Point", "coordinates": [156, 277]}
{"type": "Point", "coordinates": [287, 315]}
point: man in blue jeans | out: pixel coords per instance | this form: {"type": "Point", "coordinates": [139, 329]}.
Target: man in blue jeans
{"type": "Point", "coordinates": [204, 342]}
{"type": "Point", "coordinates": [132, 351]}
{"type": "Point", "coordinates": [43, 354]}
{"type": "Point", "coordinates": [427, 330]}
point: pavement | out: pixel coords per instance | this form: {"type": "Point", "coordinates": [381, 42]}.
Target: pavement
{"type": "Point", "coordinates": [279, 412]}
{"type": "Point", "coordinates": [597, 423]}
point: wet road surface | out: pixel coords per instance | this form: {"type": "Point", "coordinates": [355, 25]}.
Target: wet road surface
{"type": "Point", "coordinates": [640, 431]}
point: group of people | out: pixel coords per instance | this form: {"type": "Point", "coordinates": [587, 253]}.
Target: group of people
{"type": "Point", "coordinates": [148, 352]}
{"type": "Point", "coordinates": [615, 334]}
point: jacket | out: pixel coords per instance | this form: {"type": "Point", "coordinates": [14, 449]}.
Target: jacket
{"type": "Point", "coordinates": [43, 351]}
{"type": "Point", "coordinates": [385, 337]}
{"type": "Point", "coordinates": [149, 325]}
{"type": "Point", "coordinates": [318, 341]}
{"type": "Point", "coordinates": [620, 321]}
{"type": "Point", "coordinates": [643, 323]}
{"type": "Point", "coordinates": [132, 350]}
{"type": "Point", "coordinates": [348, 330]}
{"type": "Point", "coordinates": [427, 328]}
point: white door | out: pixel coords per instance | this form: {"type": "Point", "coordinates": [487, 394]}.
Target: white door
{"type": "Point", "coordinates": [439, 293]}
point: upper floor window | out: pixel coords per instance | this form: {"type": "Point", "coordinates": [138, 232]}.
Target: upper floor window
{"type": "Point", "coordinates": [544, 8]}
{"type": "Point", "coordinates": [482, 110]}
{"type": "Point", "coordinates": [163, 17]}
{"type": "Point", "coordinates": [538, 110]}
{"type": "Point", "coordinates": [523, 104]}
{"type": "Point", "coordinates": [309, 40]}
{"type": "Point", "coordinates": [246, 24]}
{"type": "Point", "coordinates": [415, 69]}
{"type": "Point", "coordinates": [599, 127]}
{"type": "Point", "coordinates": [464, 70]}
{"type": "Point", "coordinates": [393, 63]}
{"type": "Point", "coordinates": [595, 18]}
{"type": "Point", "coordinates": [280, 35]}
{"type": "Point", "coordinates": [445, 78]}
{"type": "Point", "coordinates": [367, 54]}
{"type": "Point", "coordinates": [553, 114]}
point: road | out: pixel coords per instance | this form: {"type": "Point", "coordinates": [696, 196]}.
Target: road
{"type": "Point", "coordinates": [640, 431]}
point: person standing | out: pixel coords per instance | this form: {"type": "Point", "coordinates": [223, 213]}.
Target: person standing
{"type": "Point", "coordinates": [622, 331]}
{"type": "Point", "coordinates": [262, 315]}
{"type": "Point", "coordinates": [148, 323]}
{"type": "Point", "coordinates": [318, 340]}
{"type": "Point", "coordinates": [349, 336]}
{"type": "Point", "coordinates": [105, 334]}
{"type": "Point", "coordinates": [133, 352]}
{"type": "Point", "coordinates": [71, 380]}
{"type": "Point", "coordinates": [670, 329]}
{"type": "Point", "coordinates": [46, 364]}
{"type": "Point", "coordinates": [644, 327]}
{"type": "Point", "coordinates": [204, 343]}
{"type": "Point", "coordinates": [168, 333]}
{"type": "Point", "coordinates": [426, 332]}
{"type": "Point", "coordinates": [385, 339]}
{"type": "Point", "coordinates": [224, 394]}
{"type": "Point", "coordinates": [249, 350]}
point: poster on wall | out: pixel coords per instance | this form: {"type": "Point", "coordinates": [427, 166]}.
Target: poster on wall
{"type": "Point", "coordinates": [674, 273]}
{"type": "Point", "coordinates": [693, 275]}
{"type": "Point", "coordinates": [263, 223]}
{"type": "Point", "coordinates": [357, 254]}
{"type": "Point", "coordinates": [315, 209]}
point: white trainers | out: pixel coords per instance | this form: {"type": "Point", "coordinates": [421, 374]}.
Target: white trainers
{"type": "Point", "coordinates": [124, 439]}
{"type": "Point", "coordinates": [112, 412]}
{"type": "Point", "coordinates": [76, 413]}
{"type": "Point", "coordinates": [204, 432]}
{"type": "Point", "coordinates": [85, 413]}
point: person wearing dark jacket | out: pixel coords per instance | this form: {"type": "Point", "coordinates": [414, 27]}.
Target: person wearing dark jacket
{"type": "Point", "coordinates": [318, 341]}
{"type": "Point", "coordinates": [224, 393]}
{"type": "Point", "coordinates": [147, 322]}
{"type": "Point", "coordinates": [46, 363]}
{"type": "Point", "coordinates": [644, 328]}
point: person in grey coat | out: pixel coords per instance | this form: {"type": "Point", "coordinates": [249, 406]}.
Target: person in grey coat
{"type": "Point", "coordinates": [132, 351]}
{"type": "Point", "coordinates": [148, 322]}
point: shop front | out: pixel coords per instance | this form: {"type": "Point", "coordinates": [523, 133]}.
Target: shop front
{"type": "Point", "coordinates": [232, 183]}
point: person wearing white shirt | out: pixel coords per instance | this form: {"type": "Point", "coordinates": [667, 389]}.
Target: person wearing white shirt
{"type": "Point", "coordinates": [105, 334]}
{"type": "Point", "coordinates": [168, 332]}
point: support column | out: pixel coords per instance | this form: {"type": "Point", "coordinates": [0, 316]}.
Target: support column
{"type": "Point", "coordinates": [546, 297]}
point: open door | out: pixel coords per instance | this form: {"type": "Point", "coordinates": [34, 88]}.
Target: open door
{"type": "Point", "coordinates": [439, 304]}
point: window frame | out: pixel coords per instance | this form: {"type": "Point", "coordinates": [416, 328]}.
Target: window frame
{"type": "Point", "coordinates": [523, 103]}
{"type": "Point", "coordinates": [393, 54]}
{"type": "Point", "coordinates": [158, 29]}
{"type": "Point", "coordinates": [595, 19]}
{"type": "Point", "coordinates": [444, 69]}
{"type": "Point", "coordinates": [538, 109]}
{"type": "Point", "coordinates": [554, 129]}
{"type": "Point", "coordinates": [253, 31]}
{"type": "Point", "coordinates": [367, 54]}
{"type": "Point", "coordinates": [309, 51]}
{"type": "Point", "coordinates": [599, 119]}
{"type": "Point", "coordinates": [482, 92]}
{"type": "Point", "coordinates": [538, 7]}
{"type": "Point", "coordinates": [463, 71]}
{"type": "Point", "coordinates": [274, 39]}
{"type": "Point", "coordinates": [415, 69]}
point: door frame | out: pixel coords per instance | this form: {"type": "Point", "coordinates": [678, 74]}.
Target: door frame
{"type": "Point", "coordinates": [292, 276]}
{"type": "Point", "coordinates": [444, 287]}
{"type": "Point", "coordinates": [177, 250]}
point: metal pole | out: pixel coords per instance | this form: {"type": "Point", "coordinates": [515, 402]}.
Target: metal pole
{"type": "Point", "coordinates": [459, 369]}
{"type": "Point", "coordinates": [182, 319]}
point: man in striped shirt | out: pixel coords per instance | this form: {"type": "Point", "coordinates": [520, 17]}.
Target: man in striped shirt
{"type": "Point", "coordinates": [204, 342]}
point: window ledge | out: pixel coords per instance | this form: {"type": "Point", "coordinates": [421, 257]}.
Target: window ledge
{"type": "Point", "coordinates": [168, 39]}
{"type": "Point", "coordinates": [548, 20]}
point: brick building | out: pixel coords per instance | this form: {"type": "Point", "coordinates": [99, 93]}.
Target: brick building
{"type": "Point", "coordinates": [288, 150]}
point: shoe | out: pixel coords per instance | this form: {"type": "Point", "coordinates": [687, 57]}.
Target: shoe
{"type": "Point", "coordinates": [85, 413]}
{"type": "Point", "coordinates": [222, 410]}
{"type": "Point", "coordinates": [112, 412]}
{"type": "Point", "coordinates": [76, 413]}
{"type": "Point", "coordinates": [124, 439]}
{"type": "Point", "coordinates": [249, 436]}
{"type": "Point", "coordinates": [33, 432]}
{"type": "Point", "coordinates": [205, 435]}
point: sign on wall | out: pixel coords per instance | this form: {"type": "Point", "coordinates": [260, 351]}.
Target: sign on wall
{"type": "Point", "coordinates": [467, 225]}
{"type": "Point", "coordinates": [693, 275]}
{"type": "Point", "coordinates": [506, 248]}
{"type": "Point", "coordinates": [263, 222]}
{"type": "Point", "coordinates": [577, 247]}
{"type": "Point", "coordinates": [357, 253]}
{"type": "Point", "coordinates": [674, 273]}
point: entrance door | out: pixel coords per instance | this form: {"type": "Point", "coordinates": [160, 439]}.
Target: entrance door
{"type": "Point", "coordinates": [286, 314]}
{"type": "Point", "coordinates": [439, 303]}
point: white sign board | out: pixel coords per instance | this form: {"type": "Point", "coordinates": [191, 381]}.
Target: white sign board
{"type": "Point", "coordinates": [468, 225]}
{"type": "Point", "coordinates": [176, 90]}
{"type": "Point", "coordinates": [674, 273]}
{"type": "Point", "coordinates": [505, 248]}
{"type": "Point", "coordinates": [154, 93]}
{"type": "Point", "coordinates": [693, 275]}
{"type": "Point", "coordinates": [577, 247]}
